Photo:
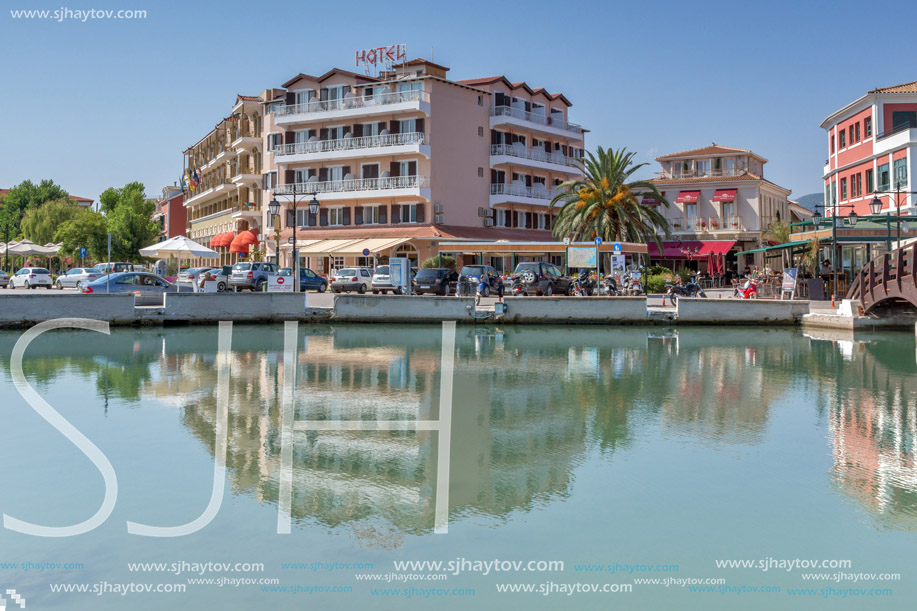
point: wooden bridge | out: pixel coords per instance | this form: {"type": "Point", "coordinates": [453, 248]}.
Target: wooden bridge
{"type": "Point", "coordinates": [891, 277]}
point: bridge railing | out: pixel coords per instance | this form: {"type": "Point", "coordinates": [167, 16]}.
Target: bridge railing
{"type": "Point", "coordinates": [893, 275]}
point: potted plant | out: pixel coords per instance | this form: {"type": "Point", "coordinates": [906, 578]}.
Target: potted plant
{"type": "Point", "coordinates": [714, 224]}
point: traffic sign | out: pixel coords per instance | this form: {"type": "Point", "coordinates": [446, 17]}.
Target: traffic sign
{"type": "Point", "coordinates": [598, 241]}
{"type": "Point", "coordinates": [82, 252]}
{"type": "Point", "coordinates": [616, 247]}
{"type": "Point", "coordinates": [365, 252]}
{"type": "Point", "coordinates": [290, 240]}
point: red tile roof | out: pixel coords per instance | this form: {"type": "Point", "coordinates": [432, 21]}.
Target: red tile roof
{"type": "Point", "coordinates": [902, 88]}
{"type": "Point", "coordinates": [422, 62]}
{"type": "Point", "coordinates": [513, 86]}
{"type": "Point", "coordinates": [249, 98]}
{"type": "Point", "coordinates": [713, 149]}
{"type": "Point", "coordinates": [703, 179]}
{"type": "Point", "coordinates": [328, 75]}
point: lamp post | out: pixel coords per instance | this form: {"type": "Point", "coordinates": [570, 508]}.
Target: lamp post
{"type": "Point", "coordinates": [852, 219]}
{"type": "Point", "coordinates": [274, 208]}
{"type": "Point", "coordinates": [876, 202]}
{"type": "Point", "coordinates": [875, 206]}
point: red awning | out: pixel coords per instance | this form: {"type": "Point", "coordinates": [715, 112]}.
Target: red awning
{"type": "Point", "coordinates": [687, 197]}
{"type": "Point", "coordinates": [698, 248]}
{"type": "Point", "coordinates": [242, 242]}
{"type": "Point", "coordinates": [222, 240]}
{"type": "Point", "coordinates": [724, 195]}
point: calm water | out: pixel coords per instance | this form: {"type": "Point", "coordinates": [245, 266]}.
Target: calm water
{"type": "Point", "coordinates": [592, 446]}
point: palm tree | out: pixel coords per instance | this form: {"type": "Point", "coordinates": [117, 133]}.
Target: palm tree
{"type": "Point", "coordinates": [779, 233]}
{"type": "Point", "coordinates": [605, 204]}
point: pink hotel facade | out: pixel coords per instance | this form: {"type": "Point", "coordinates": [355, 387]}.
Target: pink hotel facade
{"type": "Point", "coordinates": [403, 161]}
{"type": "Point", "coordinates": [872, 146]}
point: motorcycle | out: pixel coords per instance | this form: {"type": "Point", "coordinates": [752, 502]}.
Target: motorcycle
{"type": "Point", "coordinates": [748, 291]}
{"type": "Point", "coordinates": [691, 289]}
{"type": "Point", "coordinates": [631, 284]}
{"type": "Point", "coordinates": [610, 286]}
{"type": "Point", "coordinates": [583, 285]}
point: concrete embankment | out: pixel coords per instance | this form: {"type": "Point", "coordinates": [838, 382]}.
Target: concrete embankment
{"type": "Point", "coordinates": [26, 309]}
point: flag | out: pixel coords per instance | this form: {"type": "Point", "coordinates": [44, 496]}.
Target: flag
{"type": "Point", "coordinates": [194, 178]}
{"type": "Point", "coordinates": [181, 181]}
{"type": "Point", "coordinates": [185, 182]}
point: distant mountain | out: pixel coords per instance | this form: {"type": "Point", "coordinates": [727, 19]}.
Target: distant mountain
{"type": "Point", "coordinates": [809, 201]}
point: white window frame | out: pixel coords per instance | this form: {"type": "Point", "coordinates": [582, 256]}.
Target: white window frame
{"type": "Point", "coordinates": [378, 168]}
{"type": "Point", "coordinates": [371, 129]}
{"type": "Point", "coordinates": [302, 214]}
{"type": "Point", "coordinates": [371, 214]}
{"type": "Point", "coordinates": [336, 216]}
{"type": "Point", "coordinates": [408, 211]}
{"type": "Point", "coordinates": [339, 136]}
{"type": "Point", "coordinates": [331, 171]}
{"type": "Point", "coordinates": [304, 96]}
{"type": "Point", "coordinates": [301, 175]}
{"type": "Point", "coordinates": [338, 262]}
{"type": "Point", "coordinates": [406, 165]}
{"type": "Point", "coordinates": [411, 123]}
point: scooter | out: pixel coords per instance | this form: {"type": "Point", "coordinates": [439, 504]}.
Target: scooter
{"type": "Point", "coordinates": [610, 286]}
{"type": "Point", "coordinates": [631, 284]}
{"type": "Point", "coordinates": [748, 291]}
{"type": "Point", "coordinates": [583, 285]}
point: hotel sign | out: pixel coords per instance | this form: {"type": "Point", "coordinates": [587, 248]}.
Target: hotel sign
{"type": "Point", "coordinates": [384, 56]}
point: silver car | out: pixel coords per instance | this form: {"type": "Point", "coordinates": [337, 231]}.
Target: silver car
{"type": "Point", "coordinates": [4, 279]}
{"type": "Point", "coordinates": [148, 288]}
{"type": "Point", "coordinates": [220, 275]}
{"type": "Point", "coordinates": [77, 277]}
{"type": "Point", "coordinates": [191, 276]}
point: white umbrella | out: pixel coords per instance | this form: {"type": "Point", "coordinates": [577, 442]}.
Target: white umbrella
{"type": "Point", "coordinates": [181, 247]}
{"type": "Point", "coordinates": [26, 248]}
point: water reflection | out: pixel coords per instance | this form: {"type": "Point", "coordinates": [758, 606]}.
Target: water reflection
{"type": "Point", "coordinates": [529, 405]}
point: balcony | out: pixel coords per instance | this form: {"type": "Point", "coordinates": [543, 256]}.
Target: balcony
{"type": "Point", "coordinates": [707, 224]}
{"type": "Point", "coordinates": [349, 148]}
{"type": "Point", "coordinates": [677, 175]}
{"type": "Point", "coordinates": [352, 105]}
{"type": "Point", "coordinates": [247, 211]}
{"type": "Point", "coordinates": [387, 186]}
{"type": "Point", "coordinates": [221, 187]}
{"type": "Point", "coordinates": [518, 154]}
{"type": "Point", "coordinates": [507, 115]}
{"type": "Point", "coordinates": [518, 193]}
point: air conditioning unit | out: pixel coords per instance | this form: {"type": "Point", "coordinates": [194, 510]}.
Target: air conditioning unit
{"type": "Point", "coordinates": [439, 219]}
{"type": "Point", "coordinates": [481, 211]}
{"type": "Point", "coordinates": [488, 222]}
{"type": "Point", "coordinates": [438, 208]}
{"type": "Point", "coordinates": [488, 213]}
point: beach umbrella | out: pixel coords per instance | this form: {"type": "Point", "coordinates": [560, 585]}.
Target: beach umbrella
{"type": "Point", "coordinates": [180, 247]}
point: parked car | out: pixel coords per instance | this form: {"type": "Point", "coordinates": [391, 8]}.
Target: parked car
{"type": "Point", "coordinates": [30, 277]}
{"type": "Point", "coordinates": [77, 277]}
{"type": "Point", "coordinates": [114, 268]}
{"type": "Point", "coordinates": [436, 280]}
{"type": "Point", "coordinates": [191, 276]}
{"type": "Point", "coordinates": [357, 279]}
{"type": "Point", "coordinates": [382, 280]}
{"type": "Point", "coordinates": [4, 279]}
{"type": "Point", "coordinates": [220, 275]}
{"type": "Point", "coordinates": [467, 286]}
{"type": "Point", "coordinates": [308, 280]}
{"type": "Point", "coordinates": [541, 279]}
{"type": "Point", "coordinates": [251, 276]}
{"type": "Point", "coordinates": [147, 288]}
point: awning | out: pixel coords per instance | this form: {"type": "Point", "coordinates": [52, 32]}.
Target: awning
{"type": "Point", "coordinates": [353, 247]}
{"type": "Point", "coordinates": [243, 242]}
{"type": "Point", "coordinates": [724, 195]}
{"type": "Point", "coordinates": [325, 247]}
{"type": "Point", "coordinates": [699, 248]}
{"type": "Point", "coordinates": [222, 240]}
{"type": "Point", "coordinates": [775, 247]}
{"type": "Point", "coordinates": [687, 197]}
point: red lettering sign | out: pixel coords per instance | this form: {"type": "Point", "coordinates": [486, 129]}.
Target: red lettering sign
{"type": "Point", "coordinates": [381, 55]}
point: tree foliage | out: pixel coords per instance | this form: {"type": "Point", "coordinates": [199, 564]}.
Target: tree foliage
{"type": "Point", "coordinates": [24, 197]}
{"type": "Point", "coordinates": [129, 216]}
{"type": "Point", "coordinates": [605, 203]}
{"type": "Point", "coordinates": [41, 222]}
{"type": "Point", "coordinates": [434, 262]}
{"type": "Point", "coordinates": [88, 230]}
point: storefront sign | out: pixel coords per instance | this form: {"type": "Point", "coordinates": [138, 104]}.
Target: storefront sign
{"type": "Point", "coordinates": [789, 282]}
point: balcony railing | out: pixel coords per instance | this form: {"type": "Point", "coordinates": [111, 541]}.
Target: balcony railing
{"type": "Point", "coordinates": [519, 150]}
{"type": "Point", "coordinates": [702, 174]}
{"type": "Point", "coordinates": [534, 117]}
{"type": "Point", "coordinates": [351, 101]}
{"type": "Point", "coordinates": [354, 185]}
{"type": "Point", "coordinates": [706, 224]}
{"type": "Point", "coordinates": [537, 191]}
{"type": "Point", "coordinates": [348, 144]}
{"type": "Point", "coordinates": [895, 129]}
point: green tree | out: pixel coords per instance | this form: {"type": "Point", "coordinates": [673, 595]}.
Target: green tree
{"type": "Point", "coordinates": [26, 196]}
{"type": "Point", "coordinates": [88, 230]}
{"type": "Point", "coordinates": [41, 222]}
{"type": "Point", "coordinates": [605, 203]}
{"type": "Point", "coordinates": [129, 216]}
{"type": "Point", "coordinates": [779, 233]}
{"type": "Point", "coordinates": [445, 261]}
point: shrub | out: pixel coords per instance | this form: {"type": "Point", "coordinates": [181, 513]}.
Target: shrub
{"type": "Point", "coordinates": [685, 274]}
{"type": "Point", "coordinates": [447, 262]}
{"type": "Point", "coordinates": [656, 270]}
{"type": "Point", "coordinates": [655, 283]}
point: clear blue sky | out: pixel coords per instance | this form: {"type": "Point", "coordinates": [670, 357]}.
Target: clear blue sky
{"type": "Point", "coordinates": [105, 102]}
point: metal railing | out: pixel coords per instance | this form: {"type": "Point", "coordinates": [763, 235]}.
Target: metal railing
{"type": "Point", "coordinates": [352, 102]}
{"type": "Point", "coordinates": [519, 113]}
{"type": "Point", "coordinates": [706, 224]}
{"type": "Point", "coordinates": [354, 185]}
{"type": "Point", "coordinates": [895, 129]}
{"type": "Point", "coordinates": [519, 150]}
{"type": "Point", "coordinates": [347, 144]}
{"type": "Point", "coordinates": [521, 191]}
{"type": "Point", "coordinates": [695, 174]}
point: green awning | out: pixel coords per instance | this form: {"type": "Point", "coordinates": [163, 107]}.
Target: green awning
{"type": "Point", "coordinates": [775, 247]}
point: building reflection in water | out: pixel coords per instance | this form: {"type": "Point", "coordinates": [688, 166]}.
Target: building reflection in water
{"type": "Point", "coordinates": [529, 405]}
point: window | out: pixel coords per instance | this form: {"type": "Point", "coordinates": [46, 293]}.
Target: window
{"type": "Point", "coordinates": [408, 126]}
{"type": "Point", "coordinates": [301, 175]}
{"type": "Point", "coordinates": [302, 217]}
{"type": "Point", "coordinates": [300, 136]}
{"type": "Point", "coordinates": [833, 192]}
{"type": "Point", "coordinates": [904, 118]}
{"type": "Point", "coordinates": [336, 216]}
{"type": "Point", "coordinates": [336, 173]}
{"type": "Point", "coordinates": [270, 181]}
{"type": "Point", "coordinates": [274, 141]}
{"type": "Point", "coordinates": [542, 221]}
{"type": "Point", "coordinates": [856, 130]}
{"type": "Point", "coordinates": [409, 213]}
{"type": "Point", "coordinates": [480, 100]}
{"type": "Point", "coordinates": [690, 212]}
{"type": "Point", "coordinates": [480, 172]}
{"type": "Point", "coordinates": [337, 262]}
{"type": "Point", "coordinates": [480, 131]}
{"type": "Point", "coordinates": [702, 167]}
{"type": "Point", "coordinates": [884, 177]}
{"type": "Point", "coordinates": [859, 185]}
{"type": "Point", "coordinates": [408, 168]}
{"type": "Point", "coordinates": [843, 189]}
{"type": "Point", "coordinates": [832, 144]}
{"type": "Point", "coordinates": [900, 172]}
{"type": "Point", "coordinates": [501, 218]}
{"type": "Point", "coordinates": [371, 215]}
{"type": "Point", "coordinates": [867, 127]}
{"type": "Point", "coordinates": [336, 132]}
{"type": "Point", "coordinates": [869, 182]}
{"type": "Point", "coordinates": [304, 97]}
{"type": "Point", "coordinates": [369, 170]}
{"type": "Point", "coordinates": [370, 129]}
{"type": "Point", "coordinates": [843, 139]}
{"type": "Point", "coordinates": [850, 134]}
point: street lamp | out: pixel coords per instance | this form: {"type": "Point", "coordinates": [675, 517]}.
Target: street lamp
{"type": "Point", "coordinates": [816, 219]}
{"type": "Point", "coordinates": [897, 192]}
{"type": "Point", "coordinates": [852, 218]}
{"type": "Point", "coordinates": [274, 207]}
{"type": "Point", "coordinates": [875, 206]}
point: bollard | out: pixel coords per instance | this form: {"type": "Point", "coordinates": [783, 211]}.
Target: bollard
{"type": "Point", "coordinates": [832, 300]}
{"type": "Point", "coordinates": [663, 300]}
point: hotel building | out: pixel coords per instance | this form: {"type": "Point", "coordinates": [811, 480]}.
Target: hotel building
{"type": "Point", "coordinates": [720, 205]}
{"type": "Point", "coordinates": [872, 143]}
{"type": "Point", "coordinates": [402, 161]}
{"type": "Point", "coordinates": [170, 213]}
{"type": "Point", "coordinates": [228, 160]}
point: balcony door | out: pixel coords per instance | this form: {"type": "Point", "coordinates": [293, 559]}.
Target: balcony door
{"type": "Point", "coordinates": [691, 215]}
